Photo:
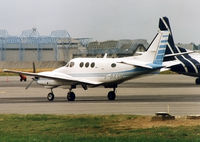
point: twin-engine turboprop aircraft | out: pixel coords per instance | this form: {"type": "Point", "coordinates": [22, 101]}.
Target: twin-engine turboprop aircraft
{"type": "Point", "coordinates": [108, 72]}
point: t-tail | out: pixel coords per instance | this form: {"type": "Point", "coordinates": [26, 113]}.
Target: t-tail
{"type": "Point", "coordinates": [156, 51]}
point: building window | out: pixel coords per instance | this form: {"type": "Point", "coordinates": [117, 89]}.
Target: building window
{"type": "Point", "coordinates": [81, 64]}
{"type": "Point", "coordinates": [113, 65]}
{"type": "Point", "coordinates": [87, 64]}
{"type": "Point", "coordinates": [71, 64]}
{"type": "Point", "coordinates": [92, 65]}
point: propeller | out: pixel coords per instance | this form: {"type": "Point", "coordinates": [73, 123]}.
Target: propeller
{"type": "Point", "coordinates": [33, 79]}
{"type": "Point", "coordinates": [34, 69]}
{"type": "Point", "coordinates": [30, 84]}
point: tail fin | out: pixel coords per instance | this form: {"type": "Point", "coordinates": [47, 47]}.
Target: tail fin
{"type": "Point", "coordinates": [156, 51]}
{"type": "Point", "coordinates": [164, 25]}
{"type": "Point", "coordinates": [171, 49]}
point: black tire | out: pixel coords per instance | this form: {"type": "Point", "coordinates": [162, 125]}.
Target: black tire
{"type": "Point", "coordinates": [20, 80]}
{"type": "Point", "coordinates": [25, 79]}
{"type": "Point", "coordinates": [71, 96]}
{"type": "Point", "coordinates": [50, 97]}
{"type": "Point", "coordinates": [197, 81]}
{"type": "Point", "coordinates": [111, 95]}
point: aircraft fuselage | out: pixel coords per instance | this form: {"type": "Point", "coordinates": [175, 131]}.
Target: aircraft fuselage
{"type": "Point", "coordinates": [105, 70]}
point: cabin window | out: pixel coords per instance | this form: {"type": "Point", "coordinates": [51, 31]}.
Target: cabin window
{"type": "Point", "coordinates": [81, 64]}
{"type": "Point", "coordinates": [92, 65]}
{"type": "Point", "coordinates": [113, 65]}
{"type": "Point", "coordinates": [71, 64]}
{"type": "Point", "coordinates": [87, 64]}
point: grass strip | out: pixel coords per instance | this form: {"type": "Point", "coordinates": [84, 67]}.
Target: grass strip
{"type": "Point", "coordinates": [98, 128]}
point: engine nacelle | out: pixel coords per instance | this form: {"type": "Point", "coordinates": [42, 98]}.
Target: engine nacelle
{"type": "Point", "coordinates": [48, 82]}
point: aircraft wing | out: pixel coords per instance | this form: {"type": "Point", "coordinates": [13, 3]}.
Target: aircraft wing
{"type": "Point", "coordinates": [55, 76]}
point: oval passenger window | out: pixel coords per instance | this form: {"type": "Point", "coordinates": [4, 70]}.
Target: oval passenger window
{"type": "Point", "coordinates": [113, 65]}
{"type": "Point", "coordinates": [92, 65]}
{"type": "Point", "coordinates": [87, 64]}
{"type": "Point", "coordinates": [81, 64]}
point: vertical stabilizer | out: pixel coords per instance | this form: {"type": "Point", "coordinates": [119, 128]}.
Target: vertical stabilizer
{"type": "Point", "coordinates": [156, 51]}
{"type": "Point", "coordinates": [164, 25]}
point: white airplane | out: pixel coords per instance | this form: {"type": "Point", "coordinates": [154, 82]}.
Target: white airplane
{"type": "Point", "coordinates": [108, 72]}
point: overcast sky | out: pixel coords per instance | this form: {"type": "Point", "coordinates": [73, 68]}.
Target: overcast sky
{"type": "Point", "coordinates": [103, 19]}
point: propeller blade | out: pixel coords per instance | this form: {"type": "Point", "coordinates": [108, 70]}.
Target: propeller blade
{"type": "Point", "coordinates": [34, 69]}
{"type": "Point", "coordinates": [29, 84]}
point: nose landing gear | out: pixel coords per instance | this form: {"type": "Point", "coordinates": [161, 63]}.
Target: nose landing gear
{"type": "Point", "coordinates": [71, 95]}
{"type": "Point", "coordinates": [111, 95]}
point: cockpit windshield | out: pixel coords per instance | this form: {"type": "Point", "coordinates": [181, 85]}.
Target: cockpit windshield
{"type": "Point", "coordinates": [70, 64]}
{"type": "Point", "coordinates": [67, 65]}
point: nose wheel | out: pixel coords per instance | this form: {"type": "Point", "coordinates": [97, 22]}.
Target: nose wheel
{"type": "Point", "coordinates": [50, 96]}
{"type": "Point", "coordinates": [71, 96]}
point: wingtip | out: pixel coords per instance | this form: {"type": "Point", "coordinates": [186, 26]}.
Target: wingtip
{"type": "Point", "coordinates": [5, 70]}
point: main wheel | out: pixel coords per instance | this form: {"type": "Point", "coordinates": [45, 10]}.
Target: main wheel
{"type": "Point", "coordinates": [111, 95]}
{"type": "Point", "coordinates": [50, 96]}
{"type": "Point", "coordinates": [71, 96]}
{"type": "Point", "coordinates": [197, 81]}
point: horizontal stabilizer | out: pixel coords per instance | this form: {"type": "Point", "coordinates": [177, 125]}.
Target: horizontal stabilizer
{"type": "Point", "coordinates": [177, 54]}
{"type": "Point", "coordinates": [141, 65]}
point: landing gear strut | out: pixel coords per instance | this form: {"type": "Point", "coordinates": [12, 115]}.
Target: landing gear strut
{"type": "Point", "coordinates": [50, 96]}
{"type": "Point", "coordinates": [111, 95]}
{"type": "Point", "coordinates": [197, 81]}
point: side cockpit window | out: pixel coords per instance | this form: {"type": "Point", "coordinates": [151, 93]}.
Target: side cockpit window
{"type": "Point", "coordinates": [71, 64]}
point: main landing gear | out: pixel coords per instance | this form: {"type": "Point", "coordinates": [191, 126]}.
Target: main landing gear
{"type": "Point", "coordinates": [50, 96]}
{"type": "Point", "coordinates": [111, 95]}
{"type": "Point", "coordinates": [70, 95]}
{"type": "Point", "coordinates": [197, 81]}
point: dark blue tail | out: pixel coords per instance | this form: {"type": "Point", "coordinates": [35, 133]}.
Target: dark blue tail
{"type": "Point", "coordinates": [188, 64]}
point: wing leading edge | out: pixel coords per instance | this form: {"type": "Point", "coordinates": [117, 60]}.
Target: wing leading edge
{"type": "Point", "coordinates": [55, 76]}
